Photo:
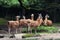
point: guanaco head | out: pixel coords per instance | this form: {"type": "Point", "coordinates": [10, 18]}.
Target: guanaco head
{"type": "Point", "coordinates": [24, 17]}
{"type": "Point", "coordinates": [17, 17]}
{"type": "Point", "coordinates": [32, 16]}
{"type": "Point", "coordinates": [46, 16]}
{"type": "Point", "coordinates": [40, 16]}
{"type": "Point", "coordinates": [39, 19]}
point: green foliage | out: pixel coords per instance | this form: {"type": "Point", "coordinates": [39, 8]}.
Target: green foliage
{"type": "Point", "coordinates": [47, 28]}
{"type": "Point", "coordinates": [40, 4]}
{"type": "Point", "coordinates": [34, 4]}
{"type": "Point", "coordinates": [31, 4]}
{"type": "Point", "coordinates": [9, 3]}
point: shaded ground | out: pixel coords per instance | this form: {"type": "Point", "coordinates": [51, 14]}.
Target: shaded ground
{"type": "Point", "coordinates": [52, 36]}
{"type": "Point", "coordinates": [4, 28]}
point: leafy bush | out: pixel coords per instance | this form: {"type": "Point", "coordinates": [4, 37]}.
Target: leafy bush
{"type": "Point", "coordinates": [9, 3]}
{"type": "Point", "coordinates": [47, 29]}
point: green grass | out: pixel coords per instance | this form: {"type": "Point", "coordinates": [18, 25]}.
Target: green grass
{"type": "Point", "coordinates": [2, 21]}
{"type": "Point", "coordinates": [47, 29]}
{"type": "Point", "coordinates": [32, 35]}
{"type": "Point", "coordinates": [43, 29]}
{"type": "Point", "coordinates": [28, 35]}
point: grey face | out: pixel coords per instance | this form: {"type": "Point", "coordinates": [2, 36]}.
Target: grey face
{"type": "Point", "coordinates": [40, 16]}
{"type": "Point", "coordinates": [24, 17]}
{"type": "Point", "coordinates": [47, 16]}
{"type": "Point", "coordinates": [17, 16]}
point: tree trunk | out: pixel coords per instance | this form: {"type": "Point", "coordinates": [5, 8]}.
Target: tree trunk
{"type": "Point", "coordinates": [23, 9]}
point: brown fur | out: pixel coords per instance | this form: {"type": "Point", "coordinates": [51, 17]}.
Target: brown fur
{"type": "Point", "coordinates": [47, 22]}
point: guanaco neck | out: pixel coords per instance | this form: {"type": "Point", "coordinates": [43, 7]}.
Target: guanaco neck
{"type": "Point", "coordinates": [32, 17]}
{"type": "Point", "coordinates": [46, 19]}
{"type": "Point", "coordinates": [24, 17]}
{"type": "Point", "coordinates": [39, 20]}
{"type": "Point", "coordinates": [17, 19]}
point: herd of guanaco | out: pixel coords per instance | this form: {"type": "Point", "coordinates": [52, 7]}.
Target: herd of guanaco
{"type": "Point", "coordinates": [19, 23]}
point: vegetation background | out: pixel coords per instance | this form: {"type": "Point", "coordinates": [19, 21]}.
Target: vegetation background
{"type": "Point", "coordinates": [10, 8]}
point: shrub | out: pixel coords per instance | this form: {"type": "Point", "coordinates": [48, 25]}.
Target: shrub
{"type": "Point", "coordinates": [47, 29]}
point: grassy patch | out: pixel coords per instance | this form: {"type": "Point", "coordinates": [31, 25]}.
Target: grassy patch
{"type": "Point", "coordinates": [2, 21]}
{"type": "Point", "coordinates": [28, 35]}
{"type": "Point", "coordinates": [43, 29]}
